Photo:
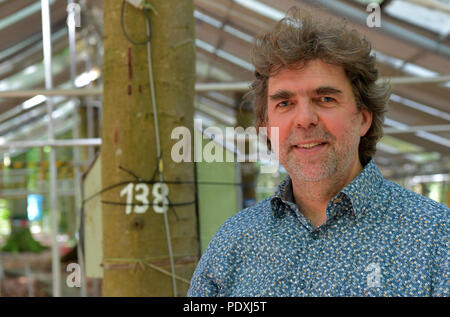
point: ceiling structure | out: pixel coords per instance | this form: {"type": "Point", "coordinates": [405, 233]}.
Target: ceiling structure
{"type": "Point", "coordinates": [413, 41]}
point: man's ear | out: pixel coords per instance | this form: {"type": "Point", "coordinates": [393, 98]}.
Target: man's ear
{"type": "Point", "coordinates": [366, 121]}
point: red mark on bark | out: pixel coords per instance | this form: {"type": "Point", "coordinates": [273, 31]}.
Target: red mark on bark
{"type": "Point", "coordinates": [130, 64]}
{"type": "Point", "coordinates": [129, 90]}
{"type": "Point", "coordinates": [140, 89]}
{"type": "Point", "coordinates": [116, 135]}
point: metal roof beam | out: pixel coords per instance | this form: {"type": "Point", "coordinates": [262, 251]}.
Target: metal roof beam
{"type": "Point", "coordinates": [360, 17]}
{"type": "Point", "coordinates": [428, 128]}
{"type": "Point", "coordinates": [200, 87]}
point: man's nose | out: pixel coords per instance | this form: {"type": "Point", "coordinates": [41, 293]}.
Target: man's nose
{"type": "Point", "coordinates": [306, 115]}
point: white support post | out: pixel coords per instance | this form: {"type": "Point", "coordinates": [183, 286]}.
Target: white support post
{"type": "Point", "coordinates": [47, 47]}
{"type": "Point", "coordinates": [71, 25]}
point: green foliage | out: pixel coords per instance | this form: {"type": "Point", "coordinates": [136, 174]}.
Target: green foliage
{"type": "Point", "coordinates": [21, 240]}
{"type": "Point", "coordinates": [4, 211]}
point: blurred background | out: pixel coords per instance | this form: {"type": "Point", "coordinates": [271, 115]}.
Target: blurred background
{"type": "Point", "coordinates": [45, 163]}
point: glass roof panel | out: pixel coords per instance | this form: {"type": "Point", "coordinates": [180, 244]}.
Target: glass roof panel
{"type": "Point", "coordinates": [409, 68]}
{"type": "Point", "coordinates": [225, 55]}
{"type": "Point", "coordinates": [369, 1]}
{"type": "Point", "coordinates": [422, 158]}
{"type": "Point", "coordinates": [421, 134]}
{"type": "Point", "coordinates": [216, 23]}
{"type": "Point", "coordinates": [434, 17]}
{"type": "Point", "coordinates": [400, 146]}
{"type": "Point", "coordinates": [421, 107]}
{"type": "Point", "coordinates": [261, 8]}
{"type": "Point", "coordinates": [21, 14]}
{"type": "Point", "coordinates": [33, 74]}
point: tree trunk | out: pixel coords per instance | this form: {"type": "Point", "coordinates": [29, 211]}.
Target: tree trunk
{"type": "Point", "coordinates": [136, 258]}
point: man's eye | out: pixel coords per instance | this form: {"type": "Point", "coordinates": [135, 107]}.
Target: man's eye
{"type": "Point", "coordinates": [327, 99]}
{"type": "Point", "coordinates": [283, 104]}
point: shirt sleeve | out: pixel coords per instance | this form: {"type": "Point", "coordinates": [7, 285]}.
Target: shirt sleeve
{"type": "Point", "coordinates": [215, 272]}
{"type": "Point", "coordinates": [202, 282]}
{"type": "Point", "coordinates": [212, 267]}
{"type": "Point", "coordinates": [439, 272]}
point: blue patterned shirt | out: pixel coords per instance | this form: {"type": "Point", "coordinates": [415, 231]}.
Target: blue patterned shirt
{"type": "Point", "coordinates": [379, 239]}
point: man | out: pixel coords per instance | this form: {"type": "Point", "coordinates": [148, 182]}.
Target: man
{"type": "Point", "coordinates": [335, 226]}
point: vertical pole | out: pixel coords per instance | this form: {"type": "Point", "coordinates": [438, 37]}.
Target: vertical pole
{"type": "Point", "coordinates": [2, 275]}
{"type": "Point", "coordinates": [47, 47]}
{"type": "Point", "coordinates": [99, 61]}
{"type": "Point", "coordinates": [249, 171]}
{"type": "Point", "coordinates": [89, 109]}
{"type": "Point", "coordinates": [30, 287]}
{"type": "Point", "coordinates": [71, 25]}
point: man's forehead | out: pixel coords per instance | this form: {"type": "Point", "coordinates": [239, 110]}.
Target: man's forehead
{"type": "Point", "coordinates": [309, 78]}
{"type": "Point", "coordinates": [319, 90]}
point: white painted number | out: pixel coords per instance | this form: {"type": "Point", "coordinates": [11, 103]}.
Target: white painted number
{"type": "Point", "coordinates": [141, 198]}
{"type": "Point", "coordinates": [160, 203]}
{"type": "Point", "coordinates": [160, 192]}
{"type": "Point", "coordinates": [128, 190]}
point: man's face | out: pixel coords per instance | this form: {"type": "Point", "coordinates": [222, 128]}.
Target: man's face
{"type": "Point", "coordinates": [318, 120]}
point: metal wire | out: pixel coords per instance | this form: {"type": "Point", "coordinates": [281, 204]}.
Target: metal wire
{"type": "Point", "coordinates": [158, 149]}
{"type": "Point", "coordinates": [124, 31]}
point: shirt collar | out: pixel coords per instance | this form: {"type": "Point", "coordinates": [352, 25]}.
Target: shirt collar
{"type": "Point", "coordinates": [283, 195]}
{"type": "Point", "coordinates": [358, 191]}
{"type": "Point", "coordinates": [363, 188]}
{"type": "Point", "coordinates": [284, 190]}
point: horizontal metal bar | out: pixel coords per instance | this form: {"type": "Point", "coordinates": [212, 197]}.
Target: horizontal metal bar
{"type": "Point", "coordinates": [237, 86]}
{"type": "Point", "coordinates": [412, 129]}
{"type": "Point", "coordinates": [54, 143]}
{"type": "Point", "coordinates": [433, 5]}
{"type": "Point", "coordinates": [200, 87]}
{"type": "Point", "coordinates": [360, 17]}
{"type": "Point", "coordinates": [417, 80]}
{"type": "Point", "coordinates": [25, 192]}
{"type": "Point", "coordinates": [98, 141]}
{"type": "Point", "coordinates": [51, 92]}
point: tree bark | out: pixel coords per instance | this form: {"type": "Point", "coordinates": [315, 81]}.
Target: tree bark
{"type": "Point", "coordinates": [135, 248]}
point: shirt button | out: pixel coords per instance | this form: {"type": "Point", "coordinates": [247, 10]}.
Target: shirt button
{"type": "Point", "coordinates": [315, 235]}
{"type": "Point", "coordinates": [277, 206]}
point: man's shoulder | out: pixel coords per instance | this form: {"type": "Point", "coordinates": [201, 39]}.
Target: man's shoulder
{"type": "Point", "coordinates": [412, 205]}
{"type": "Point", "coordinates": [244, 222]}
{"type": "Point", "coordinates": [248, 218]}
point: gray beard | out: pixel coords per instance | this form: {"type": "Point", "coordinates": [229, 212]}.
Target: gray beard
{"type": "Point", "coordinates": [336, 163]}
{"type": "Point", "coordinates": [313, 173]}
